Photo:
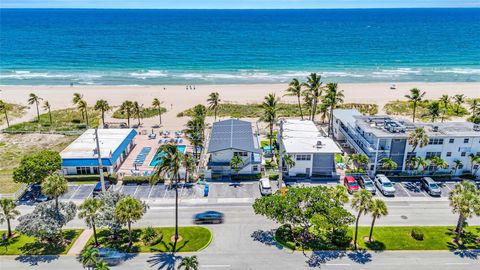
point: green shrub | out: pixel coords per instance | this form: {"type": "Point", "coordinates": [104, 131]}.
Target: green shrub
{"type": "Point", "coordinates": [417, 234]}
{"type": "Point", "coordinates": [147, 113]}
{"type": "Point", "coordinates": [273, 177]}
{"type": "Point", "coordinates": [91, 177]}
{"type": "Point", "coordinates": [246, 176]}
{"type": "Point", "coordinates": [139, 180]}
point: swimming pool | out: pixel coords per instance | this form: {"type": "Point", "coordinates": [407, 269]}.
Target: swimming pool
{"type": "Point", "coordinates": [158, 156]}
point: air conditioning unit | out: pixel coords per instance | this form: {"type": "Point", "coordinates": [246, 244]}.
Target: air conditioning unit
{"type": "Point", "coordinates": [319, 144]}
{"type": "Point", "coordinates": [476, 127]}
{"type": "Point", "coordinates": [435, 128]}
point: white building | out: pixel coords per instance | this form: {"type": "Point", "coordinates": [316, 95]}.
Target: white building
{"type": "Point", "coordinates": [80, 157]}
{"type": "Point", "coordinates": [231, 138]}
{"type": "Point", "coordinates": [381, 137]}
{"type": "Point", "coordinates": [313, 153]}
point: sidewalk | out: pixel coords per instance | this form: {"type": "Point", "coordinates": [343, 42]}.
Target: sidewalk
{"type": "Point", "coordinates": [82, 240]}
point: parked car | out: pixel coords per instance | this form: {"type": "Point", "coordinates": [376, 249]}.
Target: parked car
{"type": "Point", "coordinates": [430, 186]}
{"type": "Point", "coordinates": [42, 198]}
{"type": "Point", "coordinates": [367, 183]}
{"type": "Point", "coordinates": [351, 184]}
{"type": "Point", "coordinates": [111, 256]}
{"type": "Point", "coordinates": [265, 187]}
{"type": "Point", "coordinates": [213, 217]}
{"type": "Point", "coordinates": [384, 185]}
{"type": "Point", "coordinates": [98, 187]}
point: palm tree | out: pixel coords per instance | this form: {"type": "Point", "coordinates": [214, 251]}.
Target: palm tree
{"type": "Point", "coordinates": [332, 98]}
{"type": "Point", "coordinates": [415, 97]}
{"type": "Point", "coordinates": [445, 100]}
{"type": "Point", "coordinates": [129, 210]}
{"type": "Point", "coordinates": [361, 202]}
{"type": "Point", "coordinates": [189, 263]}
{"type": "Point", "coordinates": [438, 163]}
{"type": "Point", "coordinates": [213, 103]}
{"type": "Point", "coordinates": [458, 164]}
{"type": "Point", "coordinates": [361, 160]}
{"type": "Point", "coordinates": [83, 107]}
{"type": "Point", "coordinates": [88, 257]}
{"type": "Point", "coordinates": [314, 87]}
{"type": "Point", "coordinates": [102, 265]}
{"type": "Point", "coordinates": [89, 210]}
{"type": "Point", "coordinates": [236, 162]}
{"type": "Point", "coordinates": [102, 106]}
{"type": "Point", "coordinates": [458, 100]}
{"type": "Point", "coordinates": [189, 164]}
{"type": "Point", "coordinates": [474, 160]}
{"type": "Point", "coordinates": [46, 107]}
{"type": "Point", "coordinates": [158, 104]}
{"type": "Point", "coordinates": [195, 127]}
{"type": "Point", "coordinates": [418, 138]}
{"type": "Point", "coordinates": [76, 99]}
{"type": "Point", "coordinates": [137, 111]}
{"type": "Point", "coordinates": [465, 201]}
{"type": "Point", "coordinates": [378, 208]}
{"type": "Point", "coordinates": [34, 99]}
{"type": "Point", "coordinates": [170, 166]}
{"type": "Point", "coordinates": [55, 186]}
{"type": "Point", "coordinates": [388, 164]}
{"type": "Point", "coordinates": [295, 90]}
{"type": "Point", "coordinates": [126, 109]}
{"type": "Point", "coordinates": [474, 106]}
{"type": "Point", "coordinates": [323, 110]}
{"type": "Point", "coordinates": [287, 160]}
{"type": "Point", "coordinates": [308, 101]}
{"type": "Point", "coordinates": [270, 108]}
{"type": "Point", "coordinates": [421, 162]}
{"type": "Point", "coordinates": [434, 110]}
{"type": "Point", "coordinates": [8, 212]}
{"type": "Point", "coordinates": [339, 193]}
{"type": "Point", "coordinates": [4, 108]}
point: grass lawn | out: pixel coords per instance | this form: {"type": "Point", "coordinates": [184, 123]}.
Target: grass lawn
{"type": "Point", "coordinates": [253, 110]}
{"type": "Point", "coordinates": [14, 146]}
{"type": "Point", "coordinates": [147, 113]}
{"type": "Point", "coordinates": [405, 108]}
{"type": "Point", "coordinates": [25, 245]}
{"type": "Point", "coordinates": [194, 238]}
{"type": "Point", "coordinates": [69, 119]}
{"type": "Point", "coordinates": [399, 238]}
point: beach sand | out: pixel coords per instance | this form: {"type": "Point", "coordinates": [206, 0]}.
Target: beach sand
{"type": "Point", "coordinates": [176, 98]}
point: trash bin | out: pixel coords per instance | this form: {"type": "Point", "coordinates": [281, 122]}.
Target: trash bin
{"type": "Point", "coordinates": [205, 190]}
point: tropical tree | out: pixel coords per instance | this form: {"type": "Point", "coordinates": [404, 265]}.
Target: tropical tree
{"type": "Point", "coordinates": [76, 99]}
{"type": "Point", "coordinates": [361, 202]}
{"type": "Point", "coordinates": [102, 106]}
{"type": "Point", "coordinates": [189, 263]}
{"type": "Point", "coordinates": [324, 112]}
{"type": "Point", "coordinates": [170, 166]}
{"type": "Point", "coordinates": [474, 106]}
{"type": "Point", "coordinates": [416, 96]}
{"type": "Point", "coordinates": [106, 216]}
{"type": "Point", "coordinates": [55, 186]}
{"type": "Point", "coordinates": [158, 105]}
{"type": "Point", "coordinates": [83, 107]}
{"type": "Point", "coordinates": [465, 201]}
{"type": "Point", "coordinates": [418, 138]}
{"type": "Point", "coordinates": [126, 108]}
{"type": "Point", "coordinates": [458, 100]}
{"type": "Point", "coordinates": [340, 193]}
{"type": "Point", "coordinates": [34, 99]}
{"type": "Point", "coordinates": [295, 90]}
{"type": "Point", "coordinates": [314, 88]}
{"type": "Point", "coordinates": [388, 164]}
{"type": "Point", "coordinates": [129, 210]}
{"type": "Point", "coordinates": [438, 163]}
{"type": "Point", "coordinates": [213, 103]}
{"type": "Point", "coordinates": [4, 108]}
{"type": "Point", "coordinates": [361, 160]}
{"type": "Point", "coordinates": [236, 162]}
{"type": "Point", "coordinates": [8, 212]}
{"type": "Point", "coordinates": [458, 164]}
{"type": "Point", "coordinates": [445, 101]}
{"type": "Point", "coordinates": [434, 110]}
{"type": "Point", "coordinates": [287, 160]}
{"type": "Point", "coordinates": [36, 166]}
{"type": "Point", "coordinates": [46, 107]}
{"type": "Point", "coordinates": [101, 265]}
{"type": "Point", "coordinates": [89, 211]}
{"type": "Point", "coordinates": [308, 101]}
{"type": "Point", "coordinates": [196, 128]}
{"type": "Point", "coordinates": [270, 109]}
{"type": "Point", "coordinates": [474, 160]}
{"type": "Point", "coordinates": [88, 257]}
{"type": "Point", "coordinates": [378, 208]}
{"type": "Point", "coordinates": [137, 111]}
{"type": "Point", "coordinates": [188, 164]}
{"type": "Point", "coordinates": [332, 98]}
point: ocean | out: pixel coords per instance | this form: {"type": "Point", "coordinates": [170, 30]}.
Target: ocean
{"type": "Point", "coordinates": [155, 47]}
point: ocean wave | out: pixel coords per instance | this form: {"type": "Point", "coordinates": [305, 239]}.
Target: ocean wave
{"type": "Point", "coordinates": [464, 71]}
{"type": "Point", "coordinates": [25, 74]}
{"type": "Point", "coordinates": [144, 74]}
{"type": "Point", "coordinates": [389, 73]}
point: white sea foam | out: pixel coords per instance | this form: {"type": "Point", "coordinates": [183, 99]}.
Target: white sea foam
{"type": "Point", "coordinates": [145, 74]}
{"type": "Point", "coordinates": [465, 71]}
{"type": "Point", "coordinates": [25, 74]}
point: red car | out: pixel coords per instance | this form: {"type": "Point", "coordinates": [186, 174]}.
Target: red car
{"type": "Point", "coordinates": [351, 184]}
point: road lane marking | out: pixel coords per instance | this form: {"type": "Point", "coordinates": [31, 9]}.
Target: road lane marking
{"type": "Point", "coordinates": [338, 264]}
{"type": "Point", "coordinates": [457, 263]}
{"type": "Point", "coordinates": [216, 266]}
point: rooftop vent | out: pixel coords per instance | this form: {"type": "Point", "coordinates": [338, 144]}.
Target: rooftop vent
{"type": "Point", "coordinates": [435, 128]}
{"type": "Point", "coordinates": [476, 127]}
{"type": "Point", "coordinates": [319, 144]}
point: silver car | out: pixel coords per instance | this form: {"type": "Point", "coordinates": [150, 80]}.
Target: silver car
{"type": "Point", "coordinates": [431, 187]}
{"type": "Point", "coordinates": [384, 185]}
{"type": "Point", "coordinates": [367, 184]}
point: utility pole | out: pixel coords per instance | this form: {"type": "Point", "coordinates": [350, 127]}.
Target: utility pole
{"type": "Point", "coordinates": [280, 154]}
{"type": "Point", "coordinates": [100, 167]}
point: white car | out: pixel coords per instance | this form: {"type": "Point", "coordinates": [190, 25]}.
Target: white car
{"type": "Point", "coordinates": [265, 187]}
{"type": "Point", "coordinates": [384, 185]}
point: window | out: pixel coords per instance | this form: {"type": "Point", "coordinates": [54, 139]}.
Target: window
{"type": "Point", "coordinates": [435, 141]}
{"type": "Point", "coordinates": [451, 141]}
{"type": "Point", "coordinates": [303, 157]}
{"type": "Point", "coordinates": [83, 170]}
{"type": "Point", "coordinates": [432, 154]}
{"type": "Point", "coordinates": [241, 154]}
{"type": "Point", "coordinates": [463, 154]}
{"type": "Point", "coordinates": [411, 155]}
{"type": "Point", "coordinates": [255, 168]}
{"type": "Point", "coordinates": [465, 140]}
{"type": "Point", "coordinates": [449, 154]}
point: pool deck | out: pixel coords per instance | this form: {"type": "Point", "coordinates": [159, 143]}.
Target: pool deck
{"type": "Point", "coordinates": [140, 142]}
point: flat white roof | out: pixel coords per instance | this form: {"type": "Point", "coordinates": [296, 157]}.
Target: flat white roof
{"type": "Point", "coordinates": [84, 146]}
{"type": "Point", "coordinates": [302, 136]}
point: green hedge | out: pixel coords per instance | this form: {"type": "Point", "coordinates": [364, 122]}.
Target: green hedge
{"type": "Point", "coordinates": [91, 177]}
{"type": "Point", "coordinates": [273, 177]}
{"type": "Point", "coordinates": [246, 176]}
{"type": "Point", "coordinates": [139, 180]}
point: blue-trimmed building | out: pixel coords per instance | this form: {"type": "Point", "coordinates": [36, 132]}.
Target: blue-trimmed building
{"type": "Point", "coordinates": [80, 157]}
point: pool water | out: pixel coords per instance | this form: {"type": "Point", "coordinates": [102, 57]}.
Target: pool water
{"type": "Point", "coordinates": [158, 156]}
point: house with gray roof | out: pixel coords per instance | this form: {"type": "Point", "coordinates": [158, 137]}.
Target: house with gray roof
{"type": "Point", "coordinates": [231, 138]}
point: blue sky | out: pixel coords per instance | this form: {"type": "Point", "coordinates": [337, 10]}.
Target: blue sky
{"type": "Point", "coordinates": [208, 4]}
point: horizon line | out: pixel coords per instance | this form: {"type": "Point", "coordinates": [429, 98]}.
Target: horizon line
{"type": "Point", "coordinates": [325, 8]}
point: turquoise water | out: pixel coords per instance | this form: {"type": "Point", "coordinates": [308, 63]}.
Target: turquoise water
{"type": "Point", "coordinates": [158, 156]}
{"type": "Point", "coordinates": [137, 47]}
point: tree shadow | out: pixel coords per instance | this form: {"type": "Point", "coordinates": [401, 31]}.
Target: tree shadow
{"type": "Point", "coordinates": [165, 261]}
{"type": "Point", "coordinates": [360, 256]}
{"type": "Point", "coordinates": [321, 257]}
{"type": "Point", "coordinates": [467, 253]}
{"type": "Point", "coordinates": [36, 259]}
{"type": "Point", "coordinates": [376, 245]}
{"type": "Point", "coordinates": [266, 237]}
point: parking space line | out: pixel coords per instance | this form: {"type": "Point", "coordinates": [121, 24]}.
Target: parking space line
{"type": "Point", "coordinates": [150, 192]}
{"type": "Point", "coordinates": [89, 194]}
{"type": "Point", "coordinates": [400, 184]}
{"type": "Point", "coordinates": [74, 193]}
{"type": "Point", "coordinates": [448, 187]}
{"type": "Point", "coordinates": [134, 193]}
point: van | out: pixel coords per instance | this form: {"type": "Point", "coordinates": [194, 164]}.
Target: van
{"type": "Point", "coordinates": [98, 188]}
{"type": "Point", "coordinates": [265, 187]}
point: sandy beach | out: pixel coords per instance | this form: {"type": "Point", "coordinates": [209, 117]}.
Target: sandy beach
{"type": "Point", "coordinates": [176, 98]}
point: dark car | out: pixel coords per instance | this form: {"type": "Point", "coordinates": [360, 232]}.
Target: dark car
{"type": "Point", "coordinates": [212, 217]}
{"type": "Point", "coordinates": [42, 198]}
{"type": "Point", "coordinates": [98, 188]}
{"type": "Point", "coordinates": [111, 256]}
